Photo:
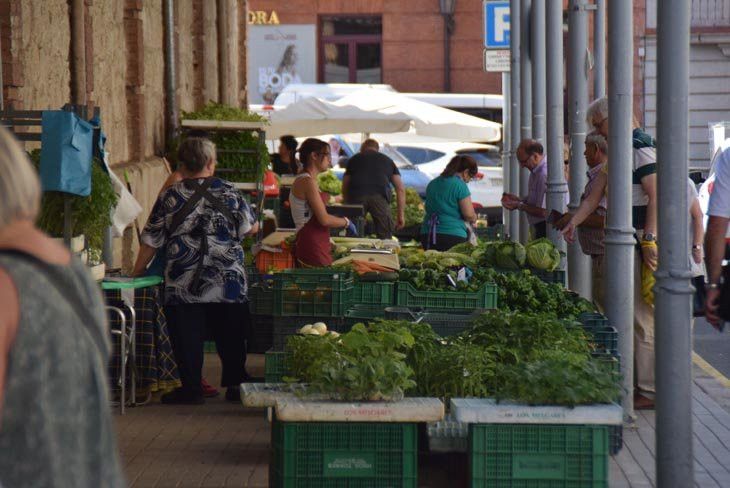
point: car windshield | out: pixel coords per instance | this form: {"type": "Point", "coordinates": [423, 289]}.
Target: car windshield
{"type": "Point", "coordinates": [420, 155]}
{"type": "Point", "coordinates": [486, 158]}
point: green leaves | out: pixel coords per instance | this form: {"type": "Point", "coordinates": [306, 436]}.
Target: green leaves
{"type": "Point", "coordinates": [363, 364]}
{"type": "Point", "coordinates": [329, 183]}
{"type": "Point", "coordinates": [561, 378]}
{"type": "Point", "coordinates": [246, 166]}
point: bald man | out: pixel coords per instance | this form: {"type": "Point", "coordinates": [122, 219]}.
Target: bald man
{"type": "Point", "coordinates": [530, 155]}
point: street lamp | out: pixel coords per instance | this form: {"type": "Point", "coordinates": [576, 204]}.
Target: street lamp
{"type": "Point", "coordinates": [447, 8]}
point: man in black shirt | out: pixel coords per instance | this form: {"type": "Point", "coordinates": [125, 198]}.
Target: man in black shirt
{"type": "Point", "coordinates": [368, 181]}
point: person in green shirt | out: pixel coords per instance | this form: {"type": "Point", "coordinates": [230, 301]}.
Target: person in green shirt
{"type": "Point", "coordinates": [448, 205]}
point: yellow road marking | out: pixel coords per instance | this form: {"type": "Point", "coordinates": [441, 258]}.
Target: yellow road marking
{"type": "Point", "coordinates": [707, 368]}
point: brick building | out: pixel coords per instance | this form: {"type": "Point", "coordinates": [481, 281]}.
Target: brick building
{"type": "Point", "coordinates": [398, 42]}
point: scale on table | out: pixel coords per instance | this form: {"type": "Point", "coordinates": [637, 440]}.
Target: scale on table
{"type": "Point", "coordinates": [382, 257]}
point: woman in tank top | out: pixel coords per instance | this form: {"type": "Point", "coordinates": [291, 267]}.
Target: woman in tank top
{"type": "Point", "coordinates": [55, 420]}
{"type": "Point", "coordinates": [312, 247]}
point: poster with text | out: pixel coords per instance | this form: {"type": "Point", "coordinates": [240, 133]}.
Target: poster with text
{"type": "Point", "coordinates": [279, 55]}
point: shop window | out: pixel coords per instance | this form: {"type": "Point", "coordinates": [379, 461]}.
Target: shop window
{"type": "Point", "coordinates": [350, 50]}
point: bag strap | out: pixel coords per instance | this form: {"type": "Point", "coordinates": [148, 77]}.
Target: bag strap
{"type": "Point", "coordinates": [69, 294]}
{"type": "Point", "coordinates": [201, 192]}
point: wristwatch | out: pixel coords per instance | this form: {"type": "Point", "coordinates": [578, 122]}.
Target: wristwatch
{"type": "Point", "coordinates": [649, 237]}
{"type": "Point", "coordinates": [712, 286]}
{"type": "Point", "coordinates": [697, 247]}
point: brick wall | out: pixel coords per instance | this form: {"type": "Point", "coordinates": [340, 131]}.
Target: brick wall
{"type": "Point", "coordinates": [413, 42]}
{"type": "Point", "coordinates": [124, 43]}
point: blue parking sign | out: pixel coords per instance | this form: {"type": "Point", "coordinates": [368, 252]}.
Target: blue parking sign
{"type": "Point", "coordinates": [496, 24]}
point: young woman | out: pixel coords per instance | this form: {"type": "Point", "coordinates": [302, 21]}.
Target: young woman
{"type": "Point", "coordinates": [312, 247]}
{"type": "Point", "coordinates": [448, 205]}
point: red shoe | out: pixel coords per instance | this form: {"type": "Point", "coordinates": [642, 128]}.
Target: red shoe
{"type": "Point", "coordinates": [209, 391]}
{"type": "Point", "coordinates": [643, 403]}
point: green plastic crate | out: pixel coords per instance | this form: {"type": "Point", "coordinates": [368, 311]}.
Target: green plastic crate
{"type": "Point", "coordinates": [261, 335]}
{"type": "Point", "coordinates": [362, 314]}
{"type": "Point", "coordinates": [344, 455]}
{"type": "Point", "coordinates": [275, 366]}
{"type": "Point", "coordinates": [555, 276]}
{"type": "Point", "coordinates": [605, 339]}
{"type": "Point", "coordinates": [538, 456]}
{"type": "Point", "coordinates": [443, 323]}
{"type": "Point", "coordinates": [381, 293]}
{"type": "Point", "coordinates": [261, 299]}
{"type": "Point", "coordinates": [312, 292]}
{"type": "Point", "coordinates": [408, 296]}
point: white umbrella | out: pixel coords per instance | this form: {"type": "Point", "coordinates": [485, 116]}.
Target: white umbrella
{"type": "Point", "coordinates": [428, 119]}
{"type": "Point", "coordinates": [312, 117]}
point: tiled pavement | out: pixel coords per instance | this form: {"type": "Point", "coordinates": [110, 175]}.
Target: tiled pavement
{"type": "Point", "coordinates": [221, 444]}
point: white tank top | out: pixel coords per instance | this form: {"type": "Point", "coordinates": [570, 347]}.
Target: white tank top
{"type": "Point", "coordinates": [300, 210]}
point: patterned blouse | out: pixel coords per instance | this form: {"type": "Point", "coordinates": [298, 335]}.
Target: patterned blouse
{"type": "Point", "coordinates": [222, 277]}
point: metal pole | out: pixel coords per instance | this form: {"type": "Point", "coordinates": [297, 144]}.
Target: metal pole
{"type": "Point", "coordinates": [526, 104]}
{"type": "Point", "coordinates": [619, 299]}
{"type": "Point", "coordinates": [673, 290]}
{"type": "Point", "coordinates": [171, 108]}
{"type": "Point", "coordinates": [515, 46]}
{"type": "Point", "coordinates": [599, 50]}
{"type": "Point", "coordinates": [579, 265]}
{"type": "Point", "coordinates": [447, 52]}
{"type": "Point", "coordinates": [557, 188]}
{"type": "Point", "coordinates": [537, 49]}
{"type": "Point", "coordinates": [506, 144]}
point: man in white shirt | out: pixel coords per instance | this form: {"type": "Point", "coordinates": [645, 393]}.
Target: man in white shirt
{"type": "Point", "coordinates": [715, 236]}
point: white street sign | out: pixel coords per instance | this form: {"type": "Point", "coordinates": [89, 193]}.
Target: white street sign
{"type": "Point", "coordinates": [496, 60]}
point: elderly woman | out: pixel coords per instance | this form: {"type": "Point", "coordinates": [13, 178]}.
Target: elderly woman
{"type": "Point", "coordinates": [55, 422]}
{"type": "Point", "coordinates": [644, 217]}
{"type": "Point", "coordinates": [448, 205]}
{"type": "Point", "coordinates": [200, 223]}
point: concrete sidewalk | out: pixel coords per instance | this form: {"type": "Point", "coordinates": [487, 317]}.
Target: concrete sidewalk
{"type": "Point", "coordinates": [221, 444]}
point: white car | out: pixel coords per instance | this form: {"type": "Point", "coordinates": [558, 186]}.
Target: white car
{"type": "Point", "coordinates": [432, 157]}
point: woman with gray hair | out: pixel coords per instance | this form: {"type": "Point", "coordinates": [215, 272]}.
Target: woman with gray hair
{"type": "Point", "coordinates": [200, 222]}
{"type": "Point", "coordinates": [55, 421]}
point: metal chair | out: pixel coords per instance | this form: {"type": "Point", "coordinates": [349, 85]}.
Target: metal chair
{"type": "Point", "coordinates": [127, 343]}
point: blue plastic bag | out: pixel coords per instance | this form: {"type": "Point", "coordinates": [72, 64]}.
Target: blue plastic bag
{"type": "Point", "coordinates": [66, 151]}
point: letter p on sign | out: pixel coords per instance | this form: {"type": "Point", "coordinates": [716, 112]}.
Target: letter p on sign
{"type": "Point", "coordinates": [496, 24]}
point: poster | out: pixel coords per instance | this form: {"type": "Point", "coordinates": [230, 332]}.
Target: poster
{"type": "Point", "coordinates": [277, 56]}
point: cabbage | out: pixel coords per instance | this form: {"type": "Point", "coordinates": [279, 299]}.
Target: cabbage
{"type": "Point", "coordinates": [329, 183]}
{"type": "Point", "coordinates": [509, 255]}
{"type": "Point", "coordinates": [542, 254]}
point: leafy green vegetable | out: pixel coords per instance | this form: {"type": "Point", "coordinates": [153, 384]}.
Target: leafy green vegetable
{"type": "Point", "coordinates": [542, 254]}
{"type": "Point", "coordinates": [362, 364]}
{"type": "Point", "coordinates": [509, 255]}
{"type": "Point", "coordinates": [245, 167]}
{"type": "Point", "coordinates": [90, 215]}
{"type": "Point", "coordinates": [329, 183]}
{"type": "Point", "coordinates": [561, 378]}
{"type": "Point", "coordinates": [415, 210]}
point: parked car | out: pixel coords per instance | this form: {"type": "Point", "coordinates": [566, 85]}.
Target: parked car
{"type": "Point", "coordinates": [432, 157]}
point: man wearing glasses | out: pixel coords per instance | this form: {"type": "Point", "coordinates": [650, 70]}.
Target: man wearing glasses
{"type": "Point", "coordinates": [530, 155]}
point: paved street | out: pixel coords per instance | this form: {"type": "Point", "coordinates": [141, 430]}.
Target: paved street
{"type": "Point", "coordinates": [220, 444]}
{"type": "Point", "coordinates": [714, 347]}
